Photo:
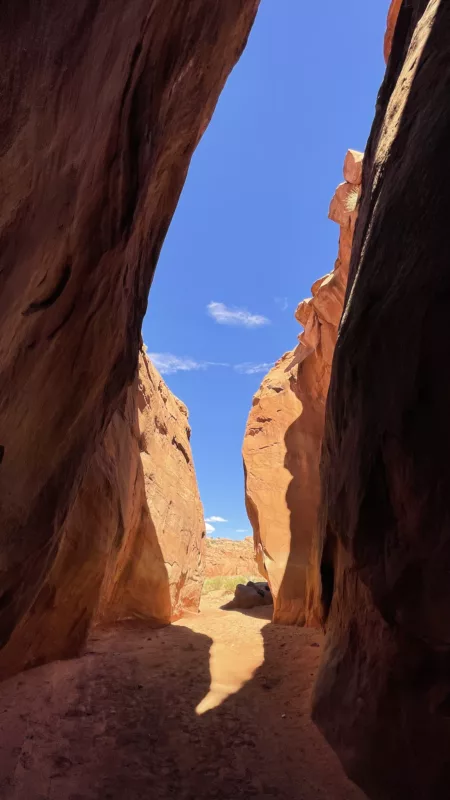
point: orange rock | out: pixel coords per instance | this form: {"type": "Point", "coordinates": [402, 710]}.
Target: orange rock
{"type": "Point", "coordinates": [393, 13]}
{"type": "Point", "coordinates": [228, 557]}
{"type": "Point", "coordinates": [353, 167]}
{"type": "Point", "coordinates": [170, 518]}
{"type": "Point", "coordinates": [132, 546]}
{"type": "Point", "coordinates": [106, 103]}
{"type": "Point", "coordinates": [284, 432]}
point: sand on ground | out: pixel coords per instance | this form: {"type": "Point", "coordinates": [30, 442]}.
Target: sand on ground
{"type": "Point", "coordinates": [214, 706]}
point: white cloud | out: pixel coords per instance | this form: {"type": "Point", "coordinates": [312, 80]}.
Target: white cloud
{"type": "Point", "coordinates": [241, 530]}
{"type": "Point", "coordinates": [215, 519]}
{"type": "Point", "coordinates": [209, 528]}
{"type": "Point", "coordinates": [252, 369]}
{"type": "Point", "coordinates": [282, 302]}
{"type": "Point", "coordinates": [168, 364]}
{"type": "Point", "coordinates": [235, 316]}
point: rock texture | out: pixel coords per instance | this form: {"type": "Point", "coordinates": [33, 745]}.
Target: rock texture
{"type": "Point", "coordinates": [171, 513]}
{"type": "Point", "coordinates": [103, 104]}
{"type": "Point", "coordinates": [394, 11]}
{"type": "Point", "coordinates": [228, 557]}
{"type": "Point", "coordinates": [133, 543]}
{"type": "Point", "coordinates": [383, 695]}
{"type": "Point", "coordinates": [285, 427]}
{"type": "Point", "coordinates": [250, 595]}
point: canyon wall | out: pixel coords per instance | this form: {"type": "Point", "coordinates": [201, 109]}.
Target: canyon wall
{"type": "Point", "coordinates": [284, 432]}
{"type": "Point", "coordinates": [228, 557]}
{"type": "Point", "coordinates": [132, 546]}
{"type": "Point", "coordinates": [104, 102]}
{"type": "Point", "coordinates": [383, 692]}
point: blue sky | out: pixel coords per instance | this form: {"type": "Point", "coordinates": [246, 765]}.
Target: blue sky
{"type": "Point", "coordinates": [251, 233]}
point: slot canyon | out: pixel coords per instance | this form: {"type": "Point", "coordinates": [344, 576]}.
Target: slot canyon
{"type": "Point", "coordinates": [140, 656]}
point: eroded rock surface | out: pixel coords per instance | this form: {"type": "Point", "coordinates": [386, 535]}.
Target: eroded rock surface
{"type": "Point", "coordinates": [103, 104]}
{"type": "Point", "coordinates": [284, 432]}
{"type": "Point", "coordinates": [382, 697]}
{"type": "Point", "coordinates": [229, 557]}
{"type": "Point", "coordinates": [132, 546]}
{"type": "Point", "coordinates": [251, 595]}
{"type": "Point", "coordinates": [394, 11]}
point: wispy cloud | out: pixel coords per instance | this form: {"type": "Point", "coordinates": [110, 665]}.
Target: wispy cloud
{"type": "Point", "coordinates": [215, 519]}
{"type": "Point", "coordinates": [168, 364]}
{"type": "Point", "coordinates": [235, 316]}
{"type": "Point", "coordinates": [282, 302]}
{"type": "Point", "coordinates": [252, 369]}
{"type": "Point", "coordinates": [209, 528]}
{"type": "Point", "coordinates": [241, 530]}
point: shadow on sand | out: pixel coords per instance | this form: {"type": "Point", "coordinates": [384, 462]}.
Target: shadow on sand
{"type": "Point", "coordinates": [121, 722]}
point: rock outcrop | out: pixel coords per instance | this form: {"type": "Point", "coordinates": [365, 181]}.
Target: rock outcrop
{"type": "Point", "coordinates": [383, 694]}
{"type": "Point", "coordinates": [284, 432]}
{"type": "Point", "coordinates": [132, 546]}
{"type": "Point", "coordinates": [250, 595]}
{"type": "Point", "coordinates": [229, 557]}
{"type": "Point", "coordinates": [103, 104]}
{"type": "Point", "coordinates": [170, 516]}
{"type": "Point", "coordinates": [393, 13]}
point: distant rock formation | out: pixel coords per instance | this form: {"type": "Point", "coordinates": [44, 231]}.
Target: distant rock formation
{"type": "Point", "coordinates": [284, 431]}
{"type": "Point", "coordinates": [104, 104]}
{"type": "Point", "coordinates": [383, 693]}
{"type": "Point", "coordinates": [229, 557]}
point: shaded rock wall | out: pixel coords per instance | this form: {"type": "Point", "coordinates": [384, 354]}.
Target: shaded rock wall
{"type": "Point", "coordinates": [132, 546]}
{"type": "Point", "coordinates": [103, 104]}
{"type": "Point", "coordinates": [383, 695]}
{"type": "Point", "coordinates": [227, 557]}
{"type": "Point", "coordinates": [285, 427]}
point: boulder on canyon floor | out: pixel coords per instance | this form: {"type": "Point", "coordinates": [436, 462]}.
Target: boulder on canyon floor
{"type": "Point", "coordinates": [104, 102]}
{"type": "Point", "coordinates": [229, 557]}
{"type": "Point", "coordinates": [284, 432]}
{"type": "Point", "coordinates": [383, 692]}
{"type": "Point", "coordinates": [250, 595]}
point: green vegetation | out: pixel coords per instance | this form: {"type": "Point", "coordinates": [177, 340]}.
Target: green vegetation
{"type": "Point", "coordinates": [227, 583]}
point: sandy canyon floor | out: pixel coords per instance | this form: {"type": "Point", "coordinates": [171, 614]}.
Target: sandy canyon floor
{"type": "Point", "coordinates": [215, 706]}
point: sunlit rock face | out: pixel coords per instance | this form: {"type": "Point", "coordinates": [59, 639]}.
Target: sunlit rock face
{"type": "Point", "coordinates": [394, 10]}
{"type": "Point", "coordinates": [382, 697]}
{"type": "Point", "coordinates": [284, 432]}
{"type": "Point", "coordinates": [103, 104]}
{"type": "Point", "coordinates": [229, 557]}
{"type": "Point", "coordinates": [132, 546]}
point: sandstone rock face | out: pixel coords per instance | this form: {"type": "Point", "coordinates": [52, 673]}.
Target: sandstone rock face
{"type": "Point", "coordinates": [228, 557]}
{"type": "Point", "coordinates": [132, 546]}
{"type": "Point", "coordinates": [382, 698]}
{"type": "Point", "coordinates": [173, 516]}
{"type": "Point", "coordinates": [103, 104]}
{"type": "Point", "coordinates": [284, 432]}
{"type": "Point", "coordinates": [394, 11]}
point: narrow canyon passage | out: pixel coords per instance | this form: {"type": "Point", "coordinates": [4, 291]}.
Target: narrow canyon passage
{"type": "Point", "coordinates": [216, 705]}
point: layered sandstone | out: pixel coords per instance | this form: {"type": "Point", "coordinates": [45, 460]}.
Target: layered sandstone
{"type": "Point", "coordinates": [383, 694]}
{"type": "Point", "coordinates": [103, 104]}
{"type": "Point", "coordinates": [133, 543]}
{"type": "Point", "coordinates": [284, 431]}
{"type": "Point", "coordinates": [228, 557]}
